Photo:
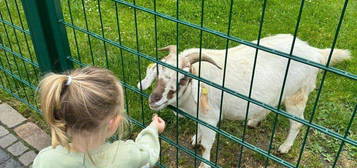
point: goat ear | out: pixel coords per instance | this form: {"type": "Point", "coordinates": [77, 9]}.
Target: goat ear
{"type": "Point", "coordinates": [194, 87]}
{"type": "Point", "coordinates": [151, 74]}
{"type": "Point", "coordinates": [171, 48]}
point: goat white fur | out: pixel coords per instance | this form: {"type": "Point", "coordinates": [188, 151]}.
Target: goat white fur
{"type": "Point", "coordinates": [268, 81]}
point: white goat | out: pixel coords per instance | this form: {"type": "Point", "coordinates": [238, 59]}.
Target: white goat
{"type": "Point", "coordinates": [268, 81]}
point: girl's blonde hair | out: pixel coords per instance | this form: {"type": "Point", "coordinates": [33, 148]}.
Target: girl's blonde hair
{"type": "Point", "coordinates": [80, 101]}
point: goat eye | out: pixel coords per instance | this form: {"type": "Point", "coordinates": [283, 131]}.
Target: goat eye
{"type": "Point", "coordinates": [183, 81]}
{"type": "Point", "coordinates": [171, 92]}
{"type": "Point", "coordinates": [170, 95]}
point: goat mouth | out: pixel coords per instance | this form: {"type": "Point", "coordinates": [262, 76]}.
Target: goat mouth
{"type": "Point", "coordinates": [157, 107]}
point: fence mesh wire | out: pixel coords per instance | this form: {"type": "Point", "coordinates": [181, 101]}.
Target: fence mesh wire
{"type": "Point", "coordinates": [124, 36]}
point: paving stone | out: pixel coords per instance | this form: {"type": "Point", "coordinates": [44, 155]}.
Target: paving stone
{"type": "Point", "coordinates": [11, 163]}
{"type": "Point", "coordinates": [9, 116]}
{"type": "Point", "coordinates": [33, 135]}
{"type": "Point", "coordinates": [3, 131]}
{"type": "Point", "coordinates": [27, 158]}
{"type": "Point", "coordinates": [3, 156]}
{"type": "Point", "coordinates": [17, 149]}
{"type": "Point", "coordinates": [7, 140]}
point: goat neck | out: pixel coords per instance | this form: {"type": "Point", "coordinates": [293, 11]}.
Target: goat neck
{"type": "Point", "coordinates": [187, 102]}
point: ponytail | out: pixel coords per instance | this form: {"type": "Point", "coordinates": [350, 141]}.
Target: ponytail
{"type": "Point", "coordinates": [51, 88]}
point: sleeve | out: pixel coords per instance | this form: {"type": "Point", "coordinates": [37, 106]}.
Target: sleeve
{"type": "Point", "coordinates": [148, 146]}
{"type": "Point", "coordinates": [37, 162]}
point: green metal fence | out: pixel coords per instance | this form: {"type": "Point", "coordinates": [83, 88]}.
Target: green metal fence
{"type": "Point", "coordinates": [41, 36]}
{"type": "Point", "coordinates": [19, 67]}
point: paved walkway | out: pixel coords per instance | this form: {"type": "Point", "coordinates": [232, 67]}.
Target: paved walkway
{"type": "Point", "coordinates": [20, 139]}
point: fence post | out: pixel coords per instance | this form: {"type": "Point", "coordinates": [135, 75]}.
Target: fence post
{"type": "Point", "coordinates": [49, 36]}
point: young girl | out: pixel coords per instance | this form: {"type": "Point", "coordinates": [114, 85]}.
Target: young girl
{"type": "Point", "coordinates": [83, 108]}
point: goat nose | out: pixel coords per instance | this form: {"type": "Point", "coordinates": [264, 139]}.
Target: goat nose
{"type": "Point", "coordinates": [155, 97]}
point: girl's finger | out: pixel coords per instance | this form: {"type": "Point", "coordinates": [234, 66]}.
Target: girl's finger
{"type": "Point", "coordinates": [157, 118]}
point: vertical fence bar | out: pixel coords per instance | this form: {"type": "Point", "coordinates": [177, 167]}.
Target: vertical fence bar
{"type": "Point", "coordinates": [26, 40]}
{"type": "Point", "coordinates": [2, 82]}
{"type": "Point", "coordinates": [124, 79]}
{"type": "Point", "coordinates": [103, 35]}
{"type": "Point", "coordinates": [252, 81]}
{"type": "Point", "coordinates": [284, 82]}
{"type": "Point", "coordinates": [121, 56]}
{"type": "Point", "coordinates": [11, 48]}
{"type": "Point", "coordinates": [345, 136]}
{"type": "Point", "coordinates": [156, 39]}
{"type": "Point", "coordinates": [224, 77]}
{"type": "Point", "coordinates": [74, 31]}
{"type": "Point", "coordinates": [177, 84]}
{"type": "Point", "coordinates": [10, 88]}
{"type": "Point", "coordinates": [139, 63]}
{"type": "Point", "coordinates": [86, 23]}
{"type": "Point", "coordinates": [199, 75]}
{"type": "Point", "coordinates": [157, 65]}
{"type": "Point", "coordinates": [322, 81]}
{"type": "Point", "coordinates": [2, 64]}
{"type": "Point", "coordinates": [48, 34]}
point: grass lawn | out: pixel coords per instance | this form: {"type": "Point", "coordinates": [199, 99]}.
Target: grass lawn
{"type": "Point", "coordinates": [317, 26]}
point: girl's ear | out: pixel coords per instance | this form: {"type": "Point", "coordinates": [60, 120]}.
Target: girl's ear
{"type": "Point", "coordinates": [114, 122]}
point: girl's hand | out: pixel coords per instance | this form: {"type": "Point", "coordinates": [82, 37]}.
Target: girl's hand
{"type": "Point", "coordinates": [159, 123]}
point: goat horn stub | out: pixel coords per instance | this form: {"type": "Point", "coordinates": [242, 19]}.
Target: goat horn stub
{"type": "Point", "coordinates": [193, 58]}
{"type": "Point", "coordinates": [171, 48]}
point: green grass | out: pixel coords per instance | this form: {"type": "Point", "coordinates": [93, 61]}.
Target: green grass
{"type": "Point", "coordinates": [318, 25]}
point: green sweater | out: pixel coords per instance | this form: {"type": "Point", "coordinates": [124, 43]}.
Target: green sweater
{"type": "Point", "coordinates": [119, 154]}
